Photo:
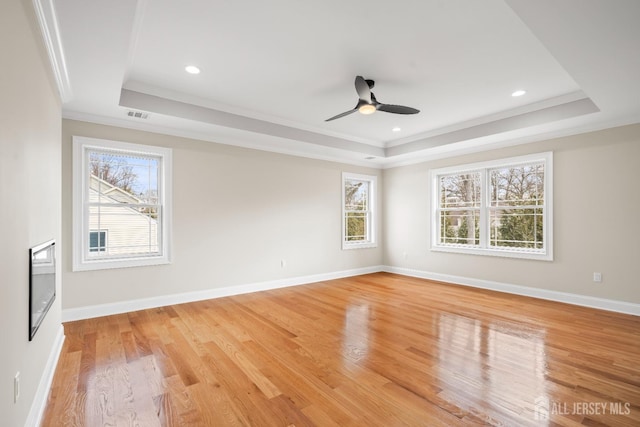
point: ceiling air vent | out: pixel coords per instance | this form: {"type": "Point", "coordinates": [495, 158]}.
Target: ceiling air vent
{"type": "Point", "coordinates": [138, 114]}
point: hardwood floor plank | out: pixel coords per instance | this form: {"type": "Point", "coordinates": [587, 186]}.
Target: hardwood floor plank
{"type": "Point", "coordinates": [320, 417]}
{"type": "Point", "coordinates": [244, 394]}
{"type": "Point", "coordinates": [377, 350]}
{"type": "Point", "coordinates": [63, 397]}
{"type": "Point", "coordinates": [179, 360]}
{"type": "Point", "coordinates": [213, 409]}
{"type": "Point", "coordinates": [181, 408]}
{"type": "Point", "coordinates": [244, 363]}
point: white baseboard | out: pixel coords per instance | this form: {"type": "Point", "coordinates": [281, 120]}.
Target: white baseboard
{"type": "Point", "coordinates": [575, 299]}
{"type": "Point", "coordinates": [88, 312]}
{"type": "Point", "coordinates": [160, 301]}
{"type": "Point", "coordinates": [40, 399]}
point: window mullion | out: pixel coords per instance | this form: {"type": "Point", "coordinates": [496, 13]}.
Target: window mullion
{"type": "Point", "coordinates": [485, 195]}
{"type": "Point", "coordinates": [86, 213]}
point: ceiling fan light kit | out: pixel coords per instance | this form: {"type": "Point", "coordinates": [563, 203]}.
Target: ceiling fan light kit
{"type": "Point", "coordinates": [367, 109]}
{"type": "Point", "coordinates": [368, 104]}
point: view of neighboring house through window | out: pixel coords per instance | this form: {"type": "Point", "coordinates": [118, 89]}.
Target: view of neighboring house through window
{"type": "Point", "coordinates": [495, 208]}
{"type": "Point", "coordinates": [120, 204]}
{"type": "Point", "coordinates": [123, 199]}
{"type": "Point", "coordinates": [97, 241]}
{"type": "Point", "coordinates": [358, 196]}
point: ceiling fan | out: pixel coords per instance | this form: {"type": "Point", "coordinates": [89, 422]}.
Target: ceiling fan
{"type": "Point", "coordinates": [368, 104]}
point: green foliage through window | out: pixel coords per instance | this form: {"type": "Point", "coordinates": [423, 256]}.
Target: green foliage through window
{"type": "Point", "coordinates": [507, 202]}
{"type": "Point", "coordinates": [357, 208]}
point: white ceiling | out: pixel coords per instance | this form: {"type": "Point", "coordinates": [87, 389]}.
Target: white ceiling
{"type": "Point", "coordinates": [273, 71]}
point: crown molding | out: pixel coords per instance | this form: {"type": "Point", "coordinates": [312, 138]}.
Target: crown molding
{"type": "Point", "coordinates": [240, 139]}
{"type": "Point", "coordinates": [48, 23]}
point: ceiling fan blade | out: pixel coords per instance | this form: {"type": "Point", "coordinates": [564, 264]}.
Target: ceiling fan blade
{"type": "Point", "coordinates": [346, 113]}
{"type": "Point", "coordinates": [397, 109]}
{"type": "Point", "coordinates": [362, 87]}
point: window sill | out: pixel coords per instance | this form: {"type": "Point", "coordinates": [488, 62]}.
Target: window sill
{"type": "Point", "coordinates": [364, 245]}
{"type": "Point", "coordinates": [105, 264]}
{"type": "Point", "coordinates": [504, 253]}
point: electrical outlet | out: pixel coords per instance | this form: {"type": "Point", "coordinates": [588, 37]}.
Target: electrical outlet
{"type": "Point", "coordinates": [405, 255]}
{"type": "Point", "coordinates": [597, 277]}
{"type": "Point", "coordinates": [16, 387]}
{"type": "Point", "coordinates": [283, 263]}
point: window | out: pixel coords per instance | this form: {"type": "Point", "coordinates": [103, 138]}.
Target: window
{"type": "Point", "coordinates": [358, 211]}
{"type": "Point", "coordinates": [121, 204]}
{"type": "Point", "coordinates": [97, 241]}
{"type": "Point", "coordinates": [501, 208]}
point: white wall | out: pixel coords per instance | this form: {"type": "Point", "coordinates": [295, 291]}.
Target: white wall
{"type": "Point", "coordinates": [236, 214]}
{"type": "Point", "coordinates": [30, 201]}
{"type": "Point", "coordinates": [596, 219]}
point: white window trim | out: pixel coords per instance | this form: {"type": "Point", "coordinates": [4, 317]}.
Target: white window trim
{"type": "Point", "coordinates": [81, 261]}
{"type": "Point", "coordinates": [545, 254]}
{"type": "Point", "coordinates": [371, 242]}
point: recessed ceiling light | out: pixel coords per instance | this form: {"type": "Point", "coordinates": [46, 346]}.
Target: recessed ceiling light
{"type": "Point", "coordinates": [192, 69]}
{"type": "Point", "coordinates": [519, 92]}
{"type": "Point", "coordinates": [396, 129]}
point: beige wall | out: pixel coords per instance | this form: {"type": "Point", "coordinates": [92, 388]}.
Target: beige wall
{"type": "Point", "coordinates": [596, 225]}
{"type": "Point", "coordinates": [29, 198]}
{"type": "Point", "coordinates": [236, 214]}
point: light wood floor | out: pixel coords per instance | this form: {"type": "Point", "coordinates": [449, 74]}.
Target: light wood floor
{"type": "Point", "coordinates": [373, 350]}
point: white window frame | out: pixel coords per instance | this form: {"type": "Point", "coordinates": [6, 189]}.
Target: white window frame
{"type": "Point", "coordinates": [371, 240]}
{"type": "Point", "coordinates": [544, 254]}
{"type": "Point", "coordinates": [81, 259]}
